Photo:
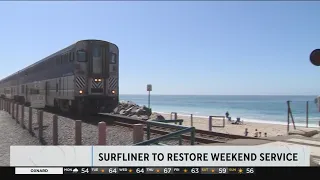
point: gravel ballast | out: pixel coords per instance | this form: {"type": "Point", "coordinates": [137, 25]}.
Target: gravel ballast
{"type": "Point", "coordinates": [11, 134]}
{"type": "Point", "coordinates": [116, 135]}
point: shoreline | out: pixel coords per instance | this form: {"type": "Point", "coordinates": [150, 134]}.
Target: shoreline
{"type": "Point", "coordinates": [272, 129]}
{"type": "Point", "coordinates": [310, 125]}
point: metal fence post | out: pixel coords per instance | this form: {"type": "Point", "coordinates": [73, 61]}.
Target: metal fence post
{"type": "Point", "coordinates": [17, 113]}
{"type": "Point", "coordinates": [102, 133]}
{"type": "Point", "coordinates": [40, 124]}
{"type": "Point", "coordinates": [138, 133]}
{"type": "Point", "coordinates": [192, 135]}
{"type": "Point", "coordinates": [22, 117]}
{"type": "Point", "coordinates": [210, 123]}
{"type": "Point", "coordinates": [12, 110]}
{"type": "Point", "coordinates": [55, 130]}
{"type": "Point", "coordinates": [30, 120]}
{"type": "Point", "coordinates": [78, 137]}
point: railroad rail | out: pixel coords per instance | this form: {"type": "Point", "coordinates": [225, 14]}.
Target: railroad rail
{"type": "Point", "coordinates": [201, 136]}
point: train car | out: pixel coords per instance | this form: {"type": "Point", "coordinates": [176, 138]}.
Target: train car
{"type": "Point", "coordinates": [82, 78]}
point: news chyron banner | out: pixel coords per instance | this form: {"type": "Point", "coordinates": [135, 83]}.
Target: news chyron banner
{"type": "Point", "coordinates": [160, 156]}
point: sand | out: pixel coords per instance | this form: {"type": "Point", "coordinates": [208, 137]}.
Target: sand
{"type": "Point", "coordinates": [239, 129]}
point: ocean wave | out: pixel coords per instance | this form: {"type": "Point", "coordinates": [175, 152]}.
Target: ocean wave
{"type": "Point", "coordinates": [262, 121]}
{"type": "Point", "coordinates": [311, 125]}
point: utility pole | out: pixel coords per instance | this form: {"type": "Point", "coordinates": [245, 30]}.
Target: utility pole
{"type": "Point", "coordinates": [149, 89]}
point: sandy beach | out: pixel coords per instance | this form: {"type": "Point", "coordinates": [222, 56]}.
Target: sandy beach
{"type": "Point", "coordinates": [238, 129]}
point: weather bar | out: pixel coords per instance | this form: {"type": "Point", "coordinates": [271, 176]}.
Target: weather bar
{"type": "Point", "coordinates": [158, 170]}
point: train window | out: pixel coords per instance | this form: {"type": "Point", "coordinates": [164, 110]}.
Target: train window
{"type": "Point", "coordinates": [114, 68]}
{"type": "Point", "coordinates": [70, 56]}
{"type": "Point", "coordinates": [96, 51]}
{"type": "Point", "coordinates": [34, 91]}
{"type": "Point", "coordinates": [81, 56]}
{"type": "Point", "coordinates": [113, 58]}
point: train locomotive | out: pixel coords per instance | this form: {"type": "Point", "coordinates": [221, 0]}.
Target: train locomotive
{"type": "Point", "coordinates": [82, 78]}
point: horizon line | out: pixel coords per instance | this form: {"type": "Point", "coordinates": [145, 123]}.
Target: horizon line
{"type": "Point", "coordinates": [222, 94]}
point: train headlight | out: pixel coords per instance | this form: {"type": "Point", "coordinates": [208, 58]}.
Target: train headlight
{"type": "Point", "coordinates": [113, 91]}
{"type": "Point", "coordinates": [96, 80]}
{"type": "Point", "coordinates": [80, 91]}
{"type": "Point", "coordinates": [99, 80]}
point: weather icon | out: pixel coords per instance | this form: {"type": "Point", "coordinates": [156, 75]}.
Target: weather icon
{"type": "Point", "coordinates": [75, 170]}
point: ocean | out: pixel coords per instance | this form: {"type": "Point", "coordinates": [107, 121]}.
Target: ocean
{"type": "Point", "coordinates": [260, 109]}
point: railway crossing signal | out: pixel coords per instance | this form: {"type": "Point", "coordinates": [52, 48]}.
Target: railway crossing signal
{"type": "Point", "coordinates": [315, 57]}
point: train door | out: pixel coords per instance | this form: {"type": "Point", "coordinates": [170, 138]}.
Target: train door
{"type": "Point", "coordinates": [96, 84]}
{"type": "Point", "coordinates": [37, 98]}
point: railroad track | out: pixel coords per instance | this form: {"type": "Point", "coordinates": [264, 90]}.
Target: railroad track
{"type": "Point", "coordinates": [201, 136]}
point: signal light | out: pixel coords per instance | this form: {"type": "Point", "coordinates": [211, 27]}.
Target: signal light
{"type": "Point", "coordinates": [80, 91]}
{"type": "Point", "coordinates": [315, 57]}
{"type": "Point", "coordinates": [113, 91]}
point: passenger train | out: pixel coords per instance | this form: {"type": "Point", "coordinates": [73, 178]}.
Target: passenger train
{"type": "Point", "coordinates": [83, 77]}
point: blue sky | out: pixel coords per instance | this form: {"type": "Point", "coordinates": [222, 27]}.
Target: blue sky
{"type": "Point", "coordinates": [241, 48]}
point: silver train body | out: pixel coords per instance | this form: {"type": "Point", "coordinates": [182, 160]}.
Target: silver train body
{"type": "Point", "coordinates": [83, 77]}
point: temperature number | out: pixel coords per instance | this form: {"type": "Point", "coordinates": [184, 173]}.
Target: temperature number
{"type": "Point", "coordinates": [113, 170]}
{"type": "Point", "coordinates": [222, 170]}
{"type": "Point", "coordinates": [84, 170]}
{"type": "Point", "coordinates": [195, 170]}
{"type": "Point", "coordinates": [140, 170]}
{"type": "Point", "coordinates": [249, 170]}
{"type": "Point", "coordinates": [166, 170]}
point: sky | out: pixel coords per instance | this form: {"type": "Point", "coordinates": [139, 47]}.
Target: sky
{"type": "Point", "coordinates": [190, 47]}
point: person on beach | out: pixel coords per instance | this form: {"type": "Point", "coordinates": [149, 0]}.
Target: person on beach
{"type": "Point", "coordinates": [246, 132]}
{"type": "Point", "coordinates": [227, 115]}
{"type": "Point", "coordinates": [256, 133]}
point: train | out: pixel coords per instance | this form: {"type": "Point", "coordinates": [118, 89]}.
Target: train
{"type": "Point", "coordinates": [82, 78]}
